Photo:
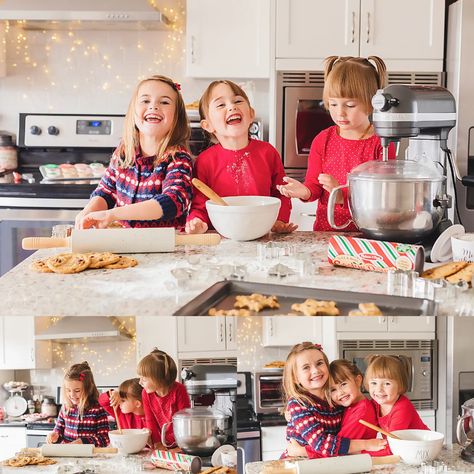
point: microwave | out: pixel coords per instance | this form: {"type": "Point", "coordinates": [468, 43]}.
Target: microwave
{"type": "Point", "coordinates": [267, 392]}
{"type": "Point", "coordinates": [418, 357]}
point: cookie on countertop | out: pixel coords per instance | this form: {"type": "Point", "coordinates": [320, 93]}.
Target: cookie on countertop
{"type": "Point", "coordinates": [40, 266]}
{"type": "Point", "coordinates": [68, 262]}
{"type": "Point", "coordinates": [443, 271]}
{"type": "Point", "coordinates": [102, 259]}
{"type": "Point", "coordinates": [464, 274]}
{"type": "Point", "coordinates": [122, 262]}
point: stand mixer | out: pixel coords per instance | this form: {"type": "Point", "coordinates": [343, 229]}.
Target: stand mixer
{"type": "Point", "coordinates": [425, 115]}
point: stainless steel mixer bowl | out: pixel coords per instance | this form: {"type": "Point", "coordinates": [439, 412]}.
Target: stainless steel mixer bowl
{"type": "Point", "coordinates": [395, 200]}
{"type": "Point", "coordinates": [200, 431]}
{"type": "Point", "coordinates": [465, 425]}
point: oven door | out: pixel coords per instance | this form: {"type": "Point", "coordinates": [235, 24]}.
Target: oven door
{"type": "Point", "coordinates": [36, 438]}
{"type": "Point", "coordinates": [418, 364]}
{"type": "Point", "coordinates": [267, 393]}
{"type": "Point", "coordinates": [304, 117]}
{"type": "Point", "coordinates": [17, 223]}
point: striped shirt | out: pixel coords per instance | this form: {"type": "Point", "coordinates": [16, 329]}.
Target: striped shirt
{"type": "Point", "coordinates": [316, 426]}
{"type": "Point", "coordinates": [91, 428]}
{"type": "Point", "coordinates": [169, 183]}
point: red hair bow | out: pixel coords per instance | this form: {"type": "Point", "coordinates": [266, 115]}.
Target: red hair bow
{"type": "Point", "coordinates": [178, 86]}
{"type": "Point", "coordinates": [319, 347]}
{"type": "Point", "coordinates": [82, 376]}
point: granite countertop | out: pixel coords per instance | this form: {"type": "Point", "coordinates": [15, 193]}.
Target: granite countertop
{"type": "Point", "coordinates": [151, 289]}
{"type": "Point", "coordinates": [450, 456]}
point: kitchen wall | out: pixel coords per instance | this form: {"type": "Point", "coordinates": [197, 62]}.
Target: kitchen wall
{"type": "Point", "coordinates": [96, 71]}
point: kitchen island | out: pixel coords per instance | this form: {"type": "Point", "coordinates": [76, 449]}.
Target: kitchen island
{"type": "Point", "coordinates": [163, 282]}
{"type": "Point", "coordinates": [450, 457]}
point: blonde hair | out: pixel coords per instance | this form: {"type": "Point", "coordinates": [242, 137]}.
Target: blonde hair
{"type": "Point", "coordinates": [387, 367]}
{"type": "Point", "coordinates": [131, 388]}
{"type": "Point", "coordinates": [205, 100]}
{"type": "Point", "coordinates": [159, 367]}
{"type": "Point", "coordinates": [341, 370]}
{"type": "Point", "coordinates": [291, 386]}
{"type": "Point", "coordinates": [355, 78]}
{"type": "Point", "coordinates": [176, 138]}
{"type": "Point", "coordinates": [90, 395]}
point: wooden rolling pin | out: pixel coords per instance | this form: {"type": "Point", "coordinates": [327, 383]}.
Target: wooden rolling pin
{"type": "Point", "coordinates": [71, 450]}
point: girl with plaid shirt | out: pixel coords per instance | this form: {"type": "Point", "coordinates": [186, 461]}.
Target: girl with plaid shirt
{"type": "Point", "coordinates": [313, 422]}
{"type": "Point", "coordinates": [148, 181]}
{"type": "Point", "coordinates": [81, 419]}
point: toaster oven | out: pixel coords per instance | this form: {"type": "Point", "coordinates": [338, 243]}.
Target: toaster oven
{"type": "Point", "coordinates": [267, 392]}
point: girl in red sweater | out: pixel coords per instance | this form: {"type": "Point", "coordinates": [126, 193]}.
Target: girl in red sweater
{"type": "Point", "coordinates": [349, 84]}
{"type": "Point", "coordinates": [236, 165]}
{"type": "Point", "coordinates": [81, 419]}
{"type": "Point", "coordinates": [127, 402]}
{"type": "Point", "coordinates": [162, 395]}
{"type": "Point", "coordinates": [313, 422]}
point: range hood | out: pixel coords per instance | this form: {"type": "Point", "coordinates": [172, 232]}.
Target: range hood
{"type": "Point", "coordinates": [74, 329]}
{"type": "Point", "coordinates": [84, 14]}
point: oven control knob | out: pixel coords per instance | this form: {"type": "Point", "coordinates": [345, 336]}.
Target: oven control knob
{"type": "Point", "coordinates": [52, 130]}
{"type": "Point", "coordinates": [424, 373]}
{"type": "Point", "coordinates": [35, 130]}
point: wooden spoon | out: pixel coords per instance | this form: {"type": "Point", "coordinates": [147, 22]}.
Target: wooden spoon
{"type": "Point", "coordinates": [380, 430]}
{"type": "Point", "coordinates": [208, 192]}
{"type": "Point", "coordinates": [117, 420]}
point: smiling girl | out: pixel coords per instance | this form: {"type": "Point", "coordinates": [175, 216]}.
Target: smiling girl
{"type": "Point", "coordinates": [162, 395]}
{"type": "Point", "coordinates": [148, 181]}
{"type": "Point", "coordinates": [236, 165]}
{"type": "Point", "coordinates": [313, 422]}
{"type": "Point", "coordinates": [81, 419]}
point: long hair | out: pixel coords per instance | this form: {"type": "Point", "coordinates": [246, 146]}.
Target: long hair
{"type": "Point", "coordinates": [90, 395]}
{"type": "Point", "coordinates": [341, 370]}
{"type": "Point", "coordinates": [205, 101]}
{"type": "Point", "coordinates": [176, 138]}
{"type": "Point", "coordinates": [131, 389]}
{"type": "Point", "coordinates": [158, 366]}
{"type": "Point", "coordinates": [352, 77]}
{"type": "Point", "coordinates": [387, 367]}
{"type": "Point", "coordinates": [291, 386]}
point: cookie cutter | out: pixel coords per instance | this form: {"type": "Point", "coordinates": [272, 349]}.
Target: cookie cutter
{"type": "Point", "coordinates": [279, 270]}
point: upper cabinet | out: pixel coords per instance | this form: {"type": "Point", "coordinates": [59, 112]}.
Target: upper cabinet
{"type": "Point", "coordinates": [315, 29]}
{"type": "Point", "coordinates": [228, 38]}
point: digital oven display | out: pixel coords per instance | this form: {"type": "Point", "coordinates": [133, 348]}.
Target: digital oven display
{"type": "Point", "coordinates": [93, 127]}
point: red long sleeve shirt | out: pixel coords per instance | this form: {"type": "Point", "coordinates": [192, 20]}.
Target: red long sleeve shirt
{"type": "Point", "coordinates": [160, 410]}
{"type": "Point", "coordinates": [92, 427]}
{"type": "Point", "coordinates": [337, 156]}
{"type": "Point", "coordinates": [402, 416]}
{"type": "Point", "coordinates": [252, 171]}
{"type": "Point", "coordinates": [126, 420]}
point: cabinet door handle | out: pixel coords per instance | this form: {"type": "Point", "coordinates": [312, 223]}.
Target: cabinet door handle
{"type": "Point", "coordinates": [193, 55]}
{"type": "Point", "coordinates": [271, 327]}
{"type": "Point", "coordinates": [368, 28]}
{"type": "Point", "coordinates": [32, 354]}
{"type": "Point", "coordinates": [353, 27]}
{"type": "Point", "coordinates": [229, 328]}
{"type": "Point", "coordinates": [222, 332]}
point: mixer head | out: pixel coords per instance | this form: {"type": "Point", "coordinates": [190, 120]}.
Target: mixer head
{"type": "Point", "coordinates": [413, 111]}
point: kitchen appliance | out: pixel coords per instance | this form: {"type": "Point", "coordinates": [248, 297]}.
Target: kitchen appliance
{"type": "Point", "coordinates": [48, 407]}
{"type": "Point", "coordinates": [405, 200]}
{"type": "Point", "coordinates": [87, 15]}
{"type": "Point", "coordinates": [465, 430]}
{"type": "Point", "coordinates": [200, 430]}
{"type": "Point", "coordinates": [249, 437]}
{"type": "Point", "coordinates": [267, 393]}
{"type": "Point", "coordinates": [31, 205]}
{"type": "Point", "coordinates": [418, 356]}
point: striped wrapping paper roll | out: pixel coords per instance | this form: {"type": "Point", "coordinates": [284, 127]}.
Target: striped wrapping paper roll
{"type": "Point", "coordinates": [176, 461]}
{"type": "Point", "coordinates": [374, 255]}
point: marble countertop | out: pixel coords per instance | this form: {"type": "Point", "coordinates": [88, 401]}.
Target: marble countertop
{"type": "Point", "coordinates": [151, 288]}
{"type": "Point", "coordinates": [450, 457]}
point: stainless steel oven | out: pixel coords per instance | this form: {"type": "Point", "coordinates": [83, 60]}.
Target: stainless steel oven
{"type": "Point", "coordinates": [418, 356]}
{"type": "Point", "coordinates": [267, 393]}
{"type": "Point", "coordinates": [31, 203]}
{"type": "Point", "coordinates": [300, 117]}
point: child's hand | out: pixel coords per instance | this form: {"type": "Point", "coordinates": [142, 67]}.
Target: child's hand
{"type": "Point", "coordinates": [294, 449]}
{"type": "Point", "coordinates": [328, 183]}
{"type": "Point", "coordinates": [52, 437]}
{"type": "Point", "coordinates": [375, 444]}
{"type": "Point", "coordinates": [294, 189]}
{"type": "Point", "coordinates": [96, 219]}
{"type": "Point", "coordinates": [281, 227]}
{"type": "Point", "coordinates": [195, 226]}
{"type": "Point", "coordinates": [114, 398]}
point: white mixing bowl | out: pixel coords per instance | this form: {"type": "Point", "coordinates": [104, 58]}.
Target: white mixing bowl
{"type": "Point", "coordinates": [130, 441]}
{"type": "Point", "coordinates": [245, 218]}
{"type": "Point", "coordinates": [416, 446]}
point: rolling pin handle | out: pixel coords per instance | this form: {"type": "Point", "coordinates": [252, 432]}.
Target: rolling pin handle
{"type": "Point", "coordinates": [35, 243]}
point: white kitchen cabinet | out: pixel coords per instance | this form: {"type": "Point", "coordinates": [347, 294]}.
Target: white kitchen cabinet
{"type": "Point", "coordinates": [18, 347]}
{"type": "Point", "coordinates": [206, 334]}
{"type": "Point", "coordinates": [228, 38]}
{"type": "Point", "coordinates": [156, 332]}
{"type": "Point", "coordinates": [273, 442]}
{"type": "Point", "coordinates": [315, 29]}
{"type": "Point", "coordinates": [287, 331]}
{"type": "Point", "coordinates": [370, 324]}
{"type": "Point", "coordinates": [12, 440]}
